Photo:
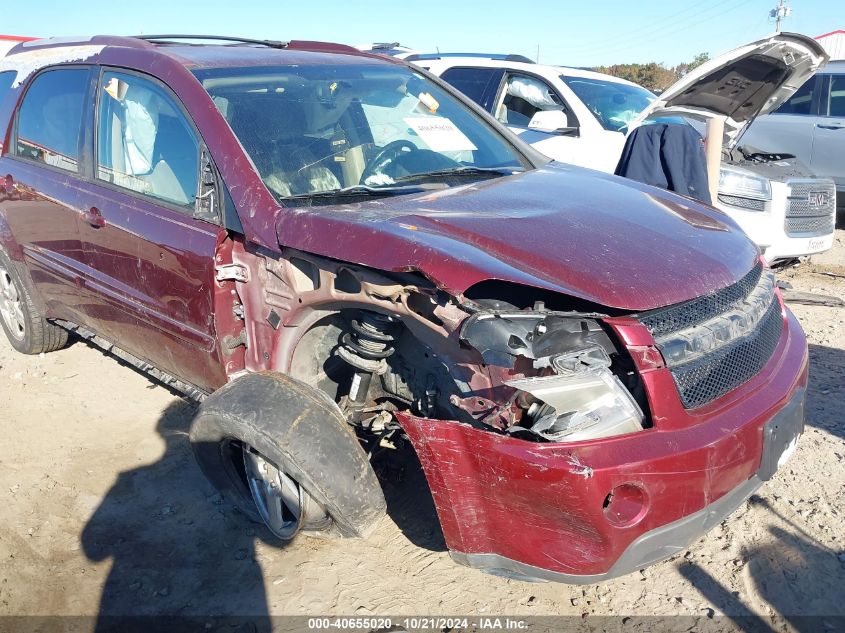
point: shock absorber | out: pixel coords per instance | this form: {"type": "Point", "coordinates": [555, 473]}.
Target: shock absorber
{"type": "Point", "coordinates": [366, 349]}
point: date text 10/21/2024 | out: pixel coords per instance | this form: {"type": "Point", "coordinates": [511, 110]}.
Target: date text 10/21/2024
{"type": "Point", "coordinates": [422, 623]}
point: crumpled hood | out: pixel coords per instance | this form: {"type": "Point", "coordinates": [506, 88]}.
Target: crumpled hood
{"type": "Point", "coordinates": [600, 238]}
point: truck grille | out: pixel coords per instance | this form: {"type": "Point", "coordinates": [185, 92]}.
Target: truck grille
{"type": "Point", "coordinates": [810, 208]}
{"type": "Point", "coordinates": [715, 343]}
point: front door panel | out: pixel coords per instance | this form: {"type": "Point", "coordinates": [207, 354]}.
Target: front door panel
{"type": "Point", "coordinates": [152, 263]}
{"type": "Point", "coordinates": [152, 270]}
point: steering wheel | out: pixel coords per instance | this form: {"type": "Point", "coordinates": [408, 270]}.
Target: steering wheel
{"type": "Point", "coordinates": [388, 153]}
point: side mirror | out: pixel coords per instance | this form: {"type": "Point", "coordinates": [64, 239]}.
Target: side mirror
{"type": "Point", "coordinates": [551, 121]}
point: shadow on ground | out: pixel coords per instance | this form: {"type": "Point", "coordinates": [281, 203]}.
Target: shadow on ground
{"type": "Point", "coordinates": [409, 501]}
{"type": "Point", "coordinates": [176, 547]}
{"type": "Point", "coordinates": [783, 572]}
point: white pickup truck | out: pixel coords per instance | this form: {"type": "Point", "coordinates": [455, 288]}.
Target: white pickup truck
{"type": "Point", "coordinates": [582, 117]}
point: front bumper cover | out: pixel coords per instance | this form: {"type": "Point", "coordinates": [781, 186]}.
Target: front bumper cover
{"type": "Point", "coordinates": [779, 435]}
{"type": "Point", "coordinates": [543, 511]}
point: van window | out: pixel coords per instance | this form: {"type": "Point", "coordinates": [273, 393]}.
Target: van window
{"type": "Point", "coordinates": [6, 80]}
{"type": "Point", "coordinates": [836, 106]}
{"type": "Point", "coordinates": [475, 83]}
{"type": "Point", "coordinates": [323, 133]}
{"type": "Point", "coordinates": [50, 118]}
{"type": "Point", "coordinates": [523, 97]}
{"type": "Point", "coordinates": [614, 104]}
{"type": "Point", "coordinates": [802, 101]}
{"type": "Point", "coordinates": [144, 142]}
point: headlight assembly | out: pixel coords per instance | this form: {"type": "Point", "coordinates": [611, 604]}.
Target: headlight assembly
{"type": "Point", "coordinates": [582, 399]}
{"type": "Point", "coordinates": [743, 184]}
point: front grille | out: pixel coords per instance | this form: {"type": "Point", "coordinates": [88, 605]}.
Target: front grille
{"type": "Point", "coordinates": [704, 380]}
{"type": "Point", "coordinates": [684, 315]}
{"type": "Point", "coordinates": [751, 204]}
{"type": "Point", "coordinates": [715, 343]}
{"type": "Point", "coordinates": [811, 208]}
{"type": "Point", "coordinates": [815, 226]}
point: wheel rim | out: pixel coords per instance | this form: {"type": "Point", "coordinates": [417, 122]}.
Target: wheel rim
{"type": "Point", "coordinates": [284, 506]}
{"type": "Point", "coordinates": [11, 306]}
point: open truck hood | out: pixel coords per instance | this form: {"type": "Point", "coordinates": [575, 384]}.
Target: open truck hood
{"type": "Point", "coordinates": [599, 238]}
{"type": "Point", "coordinates": [742, 84]}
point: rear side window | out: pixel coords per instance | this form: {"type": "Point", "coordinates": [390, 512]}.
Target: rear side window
{"type": "Point", "coordinates": [6, 80]}
{"type": "Point", "coordinates": [145, 144]}
{"type": "Point", "coordinates": [50, 118]}
{"type": "Point", "coordinates": [474, 82]}
{"type": "Point", "coordinates": [836, 106]}
{"type": "Point", "coordinates": [802, 101]}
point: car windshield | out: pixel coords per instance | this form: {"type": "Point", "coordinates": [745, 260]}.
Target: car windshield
{"type": "Point", "coordinates": [615, 104]}
{"type": "Point", "coordinates": [320, 132]}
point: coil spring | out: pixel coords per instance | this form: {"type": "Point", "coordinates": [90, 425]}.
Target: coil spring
{"type": "Point", "coordinates": [369, 343]}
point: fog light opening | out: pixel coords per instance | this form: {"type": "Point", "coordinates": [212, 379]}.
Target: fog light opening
{"type": "Point", "coordinates": [625, 505]}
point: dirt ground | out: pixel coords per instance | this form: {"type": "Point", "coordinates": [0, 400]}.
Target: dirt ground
{"type": "Point", "coordinates": [105, 512]}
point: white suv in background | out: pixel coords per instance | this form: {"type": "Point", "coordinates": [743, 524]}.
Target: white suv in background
{"type": "Point", "coordinates": [582, 117]}
{"type": "Point", "coordinates": [810, 125]}
{"type": "Point", "coordinates": [572, 115]}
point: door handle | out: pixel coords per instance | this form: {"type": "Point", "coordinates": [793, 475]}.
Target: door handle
{"type": "Point", "coordinates": [830, 127]}
{"type": "Point", "coordinates": [94, 218]}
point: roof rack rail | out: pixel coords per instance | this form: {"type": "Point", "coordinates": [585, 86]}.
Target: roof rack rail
{"type": "Point", "coordinates": [496, 56]}
{"type": "Point", "coordinates": [223, 38]}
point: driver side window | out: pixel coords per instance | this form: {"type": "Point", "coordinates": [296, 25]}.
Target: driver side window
{"type": "Point", "coordinates": [145, 144]}
{"type": "Point", "coordinates": [523, 97]}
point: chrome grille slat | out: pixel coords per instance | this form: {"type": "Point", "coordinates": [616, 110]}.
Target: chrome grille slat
{"type": "Point", "coordinates": [805, 219]}
{"type": "Point", "coordinates": [811, 226]}
{"type": "Point", "coordinates": [752, 204]}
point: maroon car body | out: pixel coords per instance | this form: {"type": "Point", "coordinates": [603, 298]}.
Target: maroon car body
{"type": "Point", "coordinates": [160, 285]}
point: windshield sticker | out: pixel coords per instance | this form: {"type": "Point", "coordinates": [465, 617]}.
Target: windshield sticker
{"type": "Point", "coordinates": [429, 102]}
{"type": "Point", "coordinates": [440, 134]}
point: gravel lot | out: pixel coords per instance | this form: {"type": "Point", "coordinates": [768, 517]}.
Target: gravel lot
{"type": "Point", "coordinates": [105, 512]}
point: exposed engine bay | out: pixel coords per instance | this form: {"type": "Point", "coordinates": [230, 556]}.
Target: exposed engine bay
{"type": "Point", "coordinates": [382, 344]}
{"type": "Point", "coordinates": [773, 166]}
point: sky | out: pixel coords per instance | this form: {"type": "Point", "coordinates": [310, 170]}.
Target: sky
{"type": "Point", "coordinates": [590, 33]}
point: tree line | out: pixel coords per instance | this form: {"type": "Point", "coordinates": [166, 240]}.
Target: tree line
{"type": "Point", "coordinates": [653, 76]}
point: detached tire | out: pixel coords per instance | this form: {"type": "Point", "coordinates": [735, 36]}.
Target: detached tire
{"type": "Point", "coordinates": [282, 452]}
{"type": "Point", "coordinates": [27, 331]}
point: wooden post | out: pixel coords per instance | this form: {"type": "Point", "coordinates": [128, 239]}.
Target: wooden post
{"type": "Point", "coordinates": [713, 153]}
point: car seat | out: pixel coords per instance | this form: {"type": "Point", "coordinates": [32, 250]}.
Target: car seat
{"type": "Point", "coordinates": [274, 132]}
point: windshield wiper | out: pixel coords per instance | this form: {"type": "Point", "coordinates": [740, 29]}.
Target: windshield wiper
{"type": "Point", "coordinates": [461, 172]}
{"type": "Point", "coordinates": [357, 191]}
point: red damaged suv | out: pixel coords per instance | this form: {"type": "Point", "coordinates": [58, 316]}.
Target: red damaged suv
{"type": "Point", "coordinates": [333, 251]}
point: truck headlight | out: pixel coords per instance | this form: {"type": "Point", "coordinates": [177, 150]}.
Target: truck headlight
{"type": "Point", "coordinates": [743, 184]}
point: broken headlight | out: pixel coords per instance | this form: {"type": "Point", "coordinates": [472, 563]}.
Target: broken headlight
{"type": "Point", "coordinates": [583, 400]}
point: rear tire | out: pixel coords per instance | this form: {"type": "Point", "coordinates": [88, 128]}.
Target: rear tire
{"type": "Point", "coordinates": [28, 332]}
{"type": "Point", "coordinates": [283, 454]}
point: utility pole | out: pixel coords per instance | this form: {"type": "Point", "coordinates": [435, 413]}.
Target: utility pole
{"type": "Point", "coordinates": [779, 13]}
